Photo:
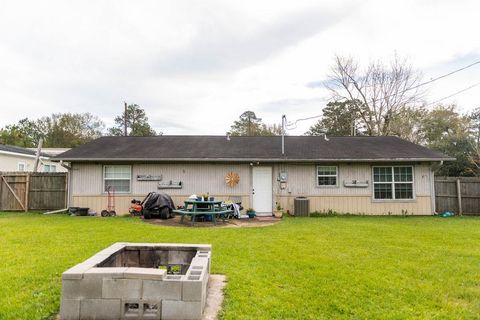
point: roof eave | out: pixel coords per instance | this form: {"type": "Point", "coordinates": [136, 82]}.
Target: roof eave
{"type": "Point", "coordinates": [26, 155]}
{"type": "Point", "coordinates": [251, 160]}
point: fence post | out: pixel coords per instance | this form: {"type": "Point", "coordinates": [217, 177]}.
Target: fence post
{"type": "Point", "coordinates": [27, 191]}
{"type": "Point", "coordinates": [459, 197]}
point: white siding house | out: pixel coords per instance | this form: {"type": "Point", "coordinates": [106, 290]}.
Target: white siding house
{"type": "Point", "coordinates": [13, 158]}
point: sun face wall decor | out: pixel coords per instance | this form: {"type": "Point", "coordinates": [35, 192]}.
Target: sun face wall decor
{"type": "Point", "coordinates": [232, 179]}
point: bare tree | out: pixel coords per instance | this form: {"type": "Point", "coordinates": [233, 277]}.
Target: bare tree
{"type": "Point", "coordinates": [382, 90]}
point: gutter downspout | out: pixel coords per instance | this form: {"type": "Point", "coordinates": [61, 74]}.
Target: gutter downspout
{"type": "Point", "coordinates": [69, 184]}
{"type": "Point", "coordinates": [65, 165]}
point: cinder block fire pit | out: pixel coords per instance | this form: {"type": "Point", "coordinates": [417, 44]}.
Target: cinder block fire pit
{"type": "Point", "coordinates": [138, 281]}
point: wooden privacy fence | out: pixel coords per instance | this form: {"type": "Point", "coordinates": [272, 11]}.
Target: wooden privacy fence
{"type": "Point", "coordinates": [32, 191]}
{"type": "Point", "coordinates": [458, 194]}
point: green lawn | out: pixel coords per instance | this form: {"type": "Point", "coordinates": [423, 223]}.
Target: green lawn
{"type": "Point", "coordinates": [310, 268]}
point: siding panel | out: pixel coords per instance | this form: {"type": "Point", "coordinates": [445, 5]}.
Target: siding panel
{"type": "Point", "coordinates": [302, 180]}
{"type": "Point", "coordinates": [196, 178]}
{"type": "Point", "coordinates": [361, 205]}
{"type": "Point", "coordinates": [87, 179]}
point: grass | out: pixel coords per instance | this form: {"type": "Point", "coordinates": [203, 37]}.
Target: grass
{"type": "Point", "coordinates": [310, 268]}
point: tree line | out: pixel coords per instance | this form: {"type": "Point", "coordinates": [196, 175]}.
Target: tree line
{"type": "Point", "coordinates": [389, 99]}
{"type": "Point", "coordinates": [441, 128]}
{"type": "Point", "coordinates": [69, 130]}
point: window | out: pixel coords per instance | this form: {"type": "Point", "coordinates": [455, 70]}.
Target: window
{"type": "Point", "coordinates": [21, 166]}
{"type": "Point", "coordinates": [326, 175]}
{"type": "Point", "coordinates": [117, 177]}
{"type": "Point", "coordinates": [393, 183]}
{"type": "Point", "coordinates": [49, 168]}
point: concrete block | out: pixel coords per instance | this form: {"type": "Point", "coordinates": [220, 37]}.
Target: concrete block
{"type": "Point", "coordinates": [132, 309]}
{"type": "Point", "coordinates": [141, 309]}
{"type": "Point", "coordinates": [112, 249]}
{"type": "Point", "coordinates": [177, 277]}
{"type": "Point", "coordinates": [144, 273]}
{"type": "Point", "coordinates": [81, 289]}
{"type": "Point", "coordinates": [165, 289]}
{"type": "Point", "coordinates": [122, 288]}
{"type": "Point", "coordinates": [140, 246]}
{"type": "Point", "coordinates": [153, 258]}
{"type": "Point", "coordinates": [192, 290]}
{"type": "Point", "coordinates": [105, 309]}
{"type": "Point", "coordinates": [167, 246]}
{"type": "Point", "coordinates": [162, 256]}
{"type": "Point", "coordinates": [203, 254]}
{"type": "Point", "coordinates": [119, 260]}
{"type": "Point", "coordinates": [131, 258]}
{"type": "Point", "coordinates": [105, 273]}
{"type": "Point", "coordinates": [147, 259]}
{"type": "Point", "coordinates": [70, 309]}
{"type": "Point", "coordinates": [152, 310]}
{"type": "Point", "coordinates": [77, 271]}
{"type": "Point", "coordinates": [186, 310]}
{"type": "Point", "coordinates": [97, 259]}
{"type": "Point", "coordinates": [205, 287]}
{"type": "Point", "coordinates": [197, 261]}
{"type": "Point", "coordinates": [113, 260]}
{"type": "Point", "coordinates": [180, 257]}
{"type": "Point", "coordinates": [201, 261]}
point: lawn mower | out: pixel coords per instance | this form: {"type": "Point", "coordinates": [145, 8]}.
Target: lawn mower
{"type": "Point", "coordinates": [154, 205]}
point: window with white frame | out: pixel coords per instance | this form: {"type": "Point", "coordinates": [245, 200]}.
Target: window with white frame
{"type": "Point", "coordinates": [393, 183]}
{"type": "Point", "coordinates": [21, 166]}
{"type": "Point", "coordinates": [118, 177]}
{"type": "Point", "coordinates": [327, 176]}
{"type": "Point", "coordinates": [49, 168]}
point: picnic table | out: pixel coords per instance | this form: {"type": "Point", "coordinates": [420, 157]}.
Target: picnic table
{"type": "Point", "coordinates": [194, 208]}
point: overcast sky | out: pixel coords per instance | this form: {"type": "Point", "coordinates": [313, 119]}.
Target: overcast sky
{"type": "Point", "coordinates": [195, 66]}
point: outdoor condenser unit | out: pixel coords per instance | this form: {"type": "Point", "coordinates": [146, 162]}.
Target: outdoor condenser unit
{"type": "Point", "coordinates": [301, 206]}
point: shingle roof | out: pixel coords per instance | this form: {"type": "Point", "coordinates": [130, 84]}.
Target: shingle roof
{"type": "Point", "coordinates": [218, 148]}
{"type": "Point", "coordinates": [20, 150]}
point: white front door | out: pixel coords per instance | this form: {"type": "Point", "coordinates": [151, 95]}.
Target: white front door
{"type": "Point", "coordinates": [262, 190]}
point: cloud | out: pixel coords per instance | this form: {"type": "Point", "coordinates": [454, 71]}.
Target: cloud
{"type": "Point", "coordinates": [292, 104]}
{"type": "Point", "coordinates": [219, 46]}
{"type": "Point", "coordinates": [185, 61]}
{"type": "Point", "coordinates": [315, 84]}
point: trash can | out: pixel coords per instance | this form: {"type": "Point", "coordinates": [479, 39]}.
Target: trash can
{"type": "Point", "coordinates": [301, 206]}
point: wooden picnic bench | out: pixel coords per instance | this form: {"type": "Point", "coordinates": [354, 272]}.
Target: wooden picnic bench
{"type": "Point", "coordinates": [195, 208]}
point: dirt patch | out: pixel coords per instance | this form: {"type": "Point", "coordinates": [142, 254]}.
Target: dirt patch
{"type": "Point", "coordinates": [231, 223]}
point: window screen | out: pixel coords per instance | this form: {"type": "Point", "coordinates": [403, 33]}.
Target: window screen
{"type": "Point", "coordinates": [118, 177]}
{"type": "Point", "coordinates": [326, 175]}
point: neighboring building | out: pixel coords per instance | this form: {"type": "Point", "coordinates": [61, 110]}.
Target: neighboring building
{"type": "Point", "coordinates": [13, 158]}
{"type": "Point", "coordinates": [362, 175]}
{"type": "Point", "coordinates": [51, 152]}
